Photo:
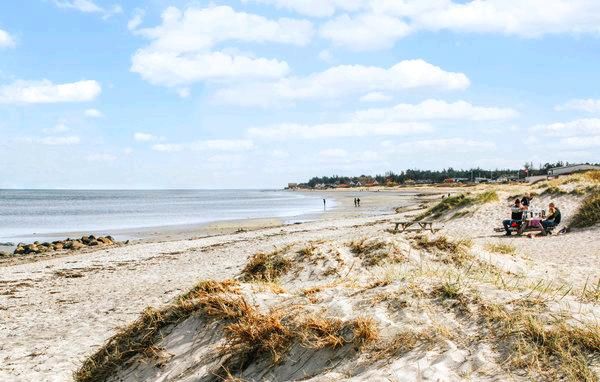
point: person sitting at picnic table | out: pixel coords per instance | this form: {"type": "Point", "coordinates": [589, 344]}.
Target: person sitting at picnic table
{"type": "Point", "coordinates": [526, 200]}
{"type": "Point", "coordinates": [516, 216]}
{"type": "Point", "coordinates": [553, 219]}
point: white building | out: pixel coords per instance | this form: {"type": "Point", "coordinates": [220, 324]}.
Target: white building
{"type": "Point", "coordinates": [570, 169]}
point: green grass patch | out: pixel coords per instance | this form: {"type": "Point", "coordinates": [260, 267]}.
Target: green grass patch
{"type": "Point", "coordinates": [588, 213]}
{"type": "Point", "coordinates": [456, 202]}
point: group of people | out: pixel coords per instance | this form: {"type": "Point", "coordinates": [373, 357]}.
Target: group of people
{"type": "Point", "coordinates": [356, 202]}
{"type": "Point", "coordinates": [518, 210]}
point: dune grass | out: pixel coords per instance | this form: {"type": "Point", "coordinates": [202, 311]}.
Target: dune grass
{"type": "Point", "coordinates": [376, 252]}
{"type": "Point", "coordinates": [457, 251]}
{"type": "Point", "coordinates": [452, 203]}
{"type": "Point", "coordinates": [504, 249]}
{"type": "Point", "coordinates": [266, 266]}
{"type": "Point", "coordinates": [588, 213]}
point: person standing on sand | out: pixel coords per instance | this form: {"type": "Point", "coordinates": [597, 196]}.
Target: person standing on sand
{"type": "Point", "coordinates": [526, 200]}
{"type": "Point", "coordinates": [324, 204]}
{"type": "Point", "coordinates": [355, 205]}
{"type": "Point", "coordinates": [358, 202]}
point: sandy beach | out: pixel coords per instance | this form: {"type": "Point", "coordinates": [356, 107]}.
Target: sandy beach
{"type": "Point", "coordinates": [57, 311]}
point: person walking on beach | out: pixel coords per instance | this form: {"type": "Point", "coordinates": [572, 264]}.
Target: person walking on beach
{"type": "Point", "coordinates": [324, 204]}
{"type": "Point", "coordinates": [355, 204]}
{"type": "Point", "coordinates": [358, 202]}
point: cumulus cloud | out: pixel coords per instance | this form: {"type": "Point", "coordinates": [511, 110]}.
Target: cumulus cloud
{"type": "Point", "coordinates": [59, 141]}
{"type": "Point", "coordinates": [333, 153]}
{"type": "Point", "coordinates": [31, 92]}
{"type": "Point", "coordinates": [337, 130]}
{"type": "Point", "coordinates": [456, 145]}
{"type": "Point", "coordinates": [344, 80]}
{"type": "Point", "coordinates": [145, 137]}
{"type": "Point", "coordinates": [588, 105]}
{"type": "Point", "coordinates": [207, 145]}
{"type": "Point", "coordinates": [375, 97]}
{"type": "Point", "coordinates": [182, 48]}
{"type": "Point", "coordinates": [59, 128]}
{"type": "Point", "coordinates": [435, 109]}
{"type": "Point", "coordinates": [314, 8]}
{"type": "Point", "coordinates": [377, 24]}
{"type": "Point", "coordinates": [136, 19]}
{"type": "Point", "coordinates": [88, 6]}
{"type": "Point", "coordinates": [365, 31]}
{"type": "Point", "coordinates": [6, 40]}
{"type": "Point", "coordinates": [93, 113]}
{"type": "Point", "coordinates": [580, 127]}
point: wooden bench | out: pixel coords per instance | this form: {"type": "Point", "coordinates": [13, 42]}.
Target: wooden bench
{"type": "Point", "coordinates": [424, 226]}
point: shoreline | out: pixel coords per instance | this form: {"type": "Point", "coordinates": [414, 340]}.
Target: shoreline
{"type": "Point", "coordinates": [342, 208]}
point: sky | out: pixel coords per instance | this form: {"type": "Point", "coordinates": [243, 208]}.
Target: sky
{"type": "Point", "coordinates": [258, 93]}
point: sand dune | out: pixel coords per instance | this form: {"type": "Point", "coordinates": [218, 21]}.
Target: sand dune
{"type": "Point", "coordinates": [353, 301]}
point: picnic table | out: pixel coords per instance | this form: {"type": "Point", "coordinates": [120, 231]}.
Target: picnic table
{"type": "Point", "coordinates": [424, 225]}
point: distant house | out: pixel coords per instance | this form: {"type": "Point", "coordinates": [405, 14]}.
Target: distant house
{"type": "Point", "coordinates": [570, 169]}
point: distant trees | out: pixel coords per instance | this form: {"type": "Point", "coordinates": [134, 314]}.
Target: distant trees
{"type": "Point", "coordinates": [436, 176]}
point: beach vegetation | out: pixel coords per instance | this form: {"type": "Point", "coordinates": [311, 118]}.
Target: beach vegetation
{"type": "Point", "coordinates": [504, 249]}
{"type": "Point", "coordinates": [266, 266]}
{"type": "Point", "coordinates": [374, 252]}
{"type": "Point", "coordinates": [457, 251]}
{"type": "Point", "coordinates": [456, 202]}
{"type": "Point", "coordinates": [588, 213]}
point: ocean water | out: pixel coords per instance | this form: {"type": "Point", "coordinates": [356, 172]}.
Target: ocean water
{"type": "Point", "coordinates": [28, 213]}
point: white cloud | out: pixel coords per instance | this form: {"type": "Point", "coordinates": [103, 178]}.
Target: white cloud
{"type": "Point", "coordinates": [333, 153]}
{"type": "Point", "coordinates": [580, 128]}
{"type": "Point", "coordinates": [456, 145]}
{"type": "Point", "coordinates": [93, 113]}
{"type": "Point", "coordinates": [59, 141]}
{"type": "Point", "coordinates": [377, 24]}
{"type": "Point", "coordinates": [207, 145]}
{"type": "Point", "coordinates": [145, 137]}
{"type": "Point", "coordinates": [435, 109]}
{"type": "Point", "coordinates": [375, 97]}
{"type": "Point", "coordinates": [59, 128]}
{"type": "Point", "coordinates": [314, 8]}
{"type": "Point", "coordinates": [588, 105]}
{"type": "Point", "coordinates": [337, 130]}
{"type": "Point", "coordinates": [365, 31]}
{"type": "Point", "coordinates": [101, 157]}
{"type": "Point", "coordinates": [345, 80]}
{"type": "Point", "coordinates": [136, 19]}
{"type": "Point", "coordinates": [28, 92]}
{"type": "Point", "coordinates": [88, 6]}
{"type": "Point", "coordinates": [182, 52]}
{"type": "Point", "coordinates": [6, 40]}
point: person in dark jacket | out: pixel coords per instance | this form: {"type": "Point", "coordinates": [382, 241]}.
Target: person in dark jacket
{"type": "Point", "coordinates": [515, 217]}
{"type": "Point", "coordinates": [526, 200]}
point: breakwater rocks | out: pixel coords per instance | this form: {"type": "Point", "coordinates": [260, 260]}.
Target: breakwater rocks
{"type": "Point", "coordinates": [68, 244]}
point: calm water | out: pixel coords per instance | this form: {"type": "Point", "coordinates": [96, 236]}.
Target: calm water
{"type": "Point", "coordinates": [27, 212]}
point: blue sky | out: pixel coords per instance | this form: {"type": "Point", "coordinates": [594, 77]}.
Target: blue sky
{"type": "Point", "coordinates": [258, 93]}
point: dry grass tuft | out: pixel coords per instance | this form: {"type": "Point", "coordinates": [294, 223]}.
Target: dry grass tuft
{"type": "Point", "coordinates": [593, 176]}
{"type": "Point", "coordinates": [458, 201]}
{"type": "Point", "coordinates": [256, 334]}
{"type": "Point", "coordinates": [318, 332]}
{"type": "Point", "coordinates": [365, 331]}
{"type": "Point", "coordinates": [137, 338]}
{"type": "Point", "coordinates": [376, 252]}
{"type": "Point", "coordinates": [505, 249]}
{"type": "Point", "coordinates": [458, 250]}
{"type": "Point", "coordinates": [266, 266]}
{"type": "Point", "coordinates": [212, 286]}
{"type": "Point", "coordinates": [588, 213]}
{"type": "Point", "coordinates": [552, 351]}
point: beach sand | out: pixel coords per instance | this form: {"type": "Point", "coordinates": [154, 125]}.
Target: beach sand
{"type": "Point", "coordinates": [56, 311]}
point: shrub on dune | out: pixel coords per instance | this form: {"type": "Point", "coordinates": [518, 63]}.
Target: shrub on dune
{"type": "Point", "coordinates": [588, 213]}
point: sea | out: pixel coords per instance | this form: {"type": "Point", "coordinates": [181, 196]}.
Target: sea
{"type": "Point", "coordinates": [27, 215]}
